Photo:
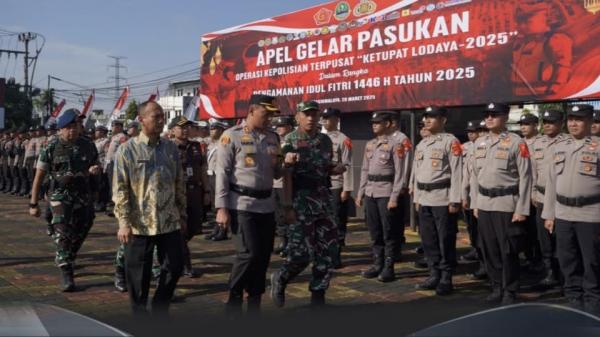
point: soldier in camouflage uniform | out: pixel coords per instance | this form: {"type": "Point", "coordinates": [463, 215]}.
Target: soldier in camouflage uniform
{"type": "Point", "coordinates": [69, 160]}
{"type": "Point", "coordinates": [312, 233]}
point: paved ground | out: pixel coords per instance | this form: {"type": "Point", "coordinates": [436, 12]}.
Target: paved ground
{"type": "Point", "coordinates": [355, 306]}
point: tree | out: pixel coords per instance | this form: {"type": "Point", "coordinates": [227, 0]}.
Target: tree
{"type": "Point", "coordinates": [131, 111]}
{"type": "Point", "coordinates": [18, 107]}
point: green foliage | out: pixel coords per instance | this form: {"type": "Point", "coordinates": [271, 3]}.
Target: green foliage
{"type": "Point", "coordinates": [131, 111]}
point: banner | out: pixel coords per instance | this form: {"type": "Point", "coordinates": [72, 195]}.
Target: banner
{"type": "Point", "coordinates": [154, 96]}
{"type": "Point", "coordinates": [88, 103]}
{"type": "Point", "coordinates": [364, 55]}
{"type": "Point", "coordinates": [54, 114]}
{"type": "Point", "coordinates": [191, 111]}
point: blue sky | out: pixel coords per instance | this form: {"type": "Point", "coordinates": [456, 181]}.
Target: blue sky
{"type": "Point", "coordinates": [153, 35]}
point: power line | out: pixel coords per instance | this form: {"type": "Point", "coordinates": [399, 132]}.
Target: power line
{"type": "Point", "coordinates": [117, 76]}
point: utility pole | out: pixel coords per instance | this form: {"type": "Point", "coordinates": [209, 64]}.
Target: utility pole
{"type": "Point", "coordinates": [117, 76]}
{"type": "Point", "coordinates": [25, 38]}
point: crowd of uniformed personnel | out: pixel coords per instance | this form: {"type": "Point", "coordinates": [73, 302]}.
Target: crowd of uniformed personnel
{"type": "Point", "coordinates": [535, 196]}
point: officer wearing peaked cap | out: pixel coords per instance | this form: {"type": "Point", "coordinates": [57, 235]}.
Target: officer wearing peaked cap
{"type": "Point", "coordinates": [501, 185]}
{"type": "Point", "coordinates": [596, 124]}
{"type": "Point", "coordinates": [529, 130]}
{"type": "Point", "coordinates": [437, 167]}
{"type": "Point", "coordinates": [382, 180]}
{"type": "Point", "coordinates": [476, 254]}
{"type": "Point", "coordinates": [342, 185]}
{"type": "Point", "coordinates": [541, 152]}
{"type": "Point", "coordinates": [283, 125]}
{"type": "Point", "coordinates": [572, 209]}
{"type": "Point", "coordinates": [248, 159]}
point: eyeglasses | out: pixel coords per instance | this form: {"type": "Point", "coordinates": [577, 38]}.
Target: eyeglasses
{"type": "Point", "coordinates": [492, 115]}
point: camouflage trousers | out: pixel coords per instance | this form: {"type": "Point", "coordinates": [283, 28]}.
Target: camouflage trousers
{"type": "Point", "coordinates": [72, 223]}
{"type": "Point", "coordinates": [311, 240]}
{"type": "Point", "coordinates": [120, 257]}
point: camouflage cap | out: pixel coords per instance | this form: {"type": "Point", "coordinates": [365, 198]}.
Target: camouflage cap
{"type": "Point", "coordinates": [307, 106]}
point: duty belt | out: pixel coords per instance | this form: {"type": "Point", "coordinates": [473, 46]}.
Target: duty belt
{"type": "Point", "coordinates": [498, 191]}
{"type": "Point", "coordinates": [433, 186]}
{"type": "Point", "coordinates": [578, 201]}
{"type": "Point", "coordinates": [540, 189]}
{"type": "Point", "coordinates": [250, 192]}
{"type": "Point", "coordinates": [376, 177]}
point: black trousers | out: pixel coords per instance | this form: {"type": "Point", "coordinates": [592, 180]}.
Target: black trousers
{"type": "Point", "coordinates": [398, 223]}
{"type": "Point", "coordinates": [501, 243]}
{"type": "Point", "coordinates": [16, 178]}
{"type": "Point", "coordinates": [531, 247]}
{"type": "Point", "coordinates": [380, 220]}
{"type": "Point", "coordinates": [138, 269]}
{"type": "Point", "coordinates": [341, 209]}
{"type": "Point", "coordinates": [438, 237]}
{"type": "Point", "coordinates": [281, 226]}
{"type": "Point", "coordinates": [547, 241]}
{"type": "Point", "coordinates": [578, 248]}
{"type": "Point", "coordinates": [253, 235]}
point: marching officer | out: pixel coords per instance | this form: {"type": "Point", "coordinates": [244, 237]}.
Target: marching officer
{"type": "Point", "coordinates": [381, 182]}
{"type": "Point", "coordinates": [3, 140]}
{"type": "Point", "coordinates": [476, 254]}
{"type": "Point", "coordinates": [542, 159]}
{"type": "Point", "coordinates": [248, 158]}
{"type": "Point", "coordinates": [501, 184]}
{"type": "Point", "coordinates": [102, 141]}
{"type": "Point", "coordinates": [217, 128]}
{"type": "Point", "coordinates": [312, 233]}
{"type": "Point", "coordinates": [596, 124]}
{"type": "Point", "coordinates": [69, 160]}
{"type": "Point", "coordinates": [437, 190]}
{"type": "Point", "coordinates": [572, 209]}
{"type": "Point", "coordinates": [283, 125]}
{"type": "Point", "coordinates": [117, 138]}
{"type": "Point", "coordinates": [529, 124]}
{"type": "Point", "coordinates": [196, 180]}
{"type": "Point", "coordinates": [341, 185]}
{"type": "Point", "coordinates": [17, 160]}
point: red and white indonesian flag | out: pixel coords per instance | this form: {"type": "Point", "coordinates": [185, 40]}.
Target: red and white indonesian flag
{"type": "Point", "coordinates": [154, 96]}
{"type": "Point", "coordinates": [119, 105]}
{"type": "Point", "coordinates": [88, 103]}
{"type": "Point", "coordinates": [55, 113]}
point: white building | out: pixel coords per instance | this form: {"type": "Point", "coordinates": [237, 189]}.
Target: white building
{"type": "Point", "coordinates": [177, 97]}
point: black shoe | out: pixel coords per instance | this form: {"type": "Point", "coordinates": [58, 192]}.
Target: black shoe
{"type": "Point", "coordinates": [470, 256]}
{"type": "Point", "coordinates": [317, 298]}
{"type": "Point", "coordinates": [277, 290]}
{"type": "Point", "coordinates": [421, 264]}
{"type": "Point", "coordinates": [68, 284]}
{"type": "Point", "coordinates": [495, 296]}
{"type": "Point", "coordinates": [120, 283]}
{"type": "Point", "coordinates": [190, 272]}
{"type": "Point", "coordinates": [233, 307]}
{"type": "Point", "coordinates": [387, 274]}
{"type": "Point", "coordinates": [575, 303]}
{"type": "Point", "coordinates": [213, 233]}
{"type": "Point", "coordinates": [508, 298]}
{"type": "Point", "coordinates": [254, 304]}
{"type": "Point", "coordinates": [375, 269]}
{"type": "Point", "coordinates": [419, 250]}
{"type": "Point", "coordinates": [445, 286]}
{"type": "Point", "coordinates": [430, 283]}
{"type": "Point", "coordinates": [480, 274]}
{"type": "Point", "coordinates": [221, 235]}
{"type": "Point", "coordinates": [549, 281]}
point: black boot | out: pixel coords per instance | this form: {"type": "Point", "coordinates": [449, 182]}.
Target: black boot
{"type": "Point", "coordinates": [254, 304]}
{"type": "Point", "coordinates": [387, 274]}
{"type": "Point", "coordinates": [445, 286]}
{"type": "Point", "coordinates": [68, 284]}
{"type": "Point", "coordinates": [277, 290]}
{"type": "Point", "coordinates": [120, 282]}
{"type": "Point", "coordinates": [470, 256]}
{"type": "Point", "coordinates": [50, 229]}
{"type": "Point", "coordinates": [550, 280]}
{"type": "Point", "coordinates": [480, 274]}
{"type": "Point", "coordinates": [375, 269]}
{"type": "Point", "coordinates": [495, 296]}
{"type": "Point", "coordinates": [213, 233]}
{"type": "Point", "coordinates": [421, 263]}
{"type": "Point", "coordinates": [221, 235]}
{"type": "Point", "coordinates": [431, 282]}
{"type": "Point", "coordinates": [190, 272]}
{"type": "Point", "coordinates": [233, 307]}
{"type": "Point", "coordinates": [317, 298]}
{"type": "Point", "coordinates": [509, 298]}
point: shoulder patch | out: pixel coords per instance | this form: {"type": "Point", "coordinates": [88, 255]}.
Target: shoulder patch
{"type": "Point", "coordinates": [457, 148]}
{"type": "Point", "coordinates": [348, 143]}
{"type": "Point", "coordinates": [407, 145]}
{"type": "Point", "coordinates": [225, 140]}
{"type": "Point", "coordinates": [524, 150]}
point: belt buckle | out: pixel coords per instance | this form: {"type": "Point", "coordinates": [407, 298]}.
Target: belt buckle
{"type": "Point", "coordinates": [578, 201]}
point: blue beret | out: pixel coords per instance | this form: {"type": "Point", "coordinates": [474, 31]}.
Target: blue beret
{"type": "Point", "coordinates": [66, 118]}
